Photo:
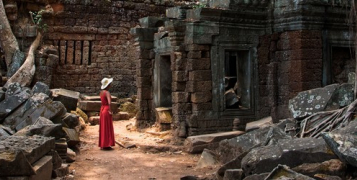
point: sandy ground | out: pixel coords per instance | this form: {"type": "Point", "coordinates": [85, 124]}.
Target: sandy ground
{"type": "Point", "coordinates": [148, 160]}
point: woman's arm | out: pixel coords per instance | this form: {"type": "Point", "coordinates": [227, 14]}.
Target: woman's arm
{"type": "Point", "coordinates": [109, 98]}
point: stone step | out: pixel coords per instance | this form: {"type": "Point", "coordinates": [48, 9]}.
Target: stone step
{"type": "Point", "coordinates": [95, 106]}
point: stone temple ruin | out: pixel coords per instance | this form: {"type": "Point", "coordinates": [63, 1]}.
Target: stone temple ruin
{"type": "Point", "coordinates": [196, 68]}
{"type": "Point", "coordinates": [241, 59]}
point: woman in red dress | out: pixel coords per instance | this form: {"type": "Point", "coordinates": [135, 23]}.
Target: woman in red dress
{"type": "Point", "coordinates": [106, 130]}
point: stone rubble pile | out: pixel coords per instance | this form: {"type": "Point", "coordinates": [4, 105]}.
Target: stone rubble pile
{"type": "Point", "coordinates": [284, 150]}
{"type": "Point", "coordinates": [36, 132]}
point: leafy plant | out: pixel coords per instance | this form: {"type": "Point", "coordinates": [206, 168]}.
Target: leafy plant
{"type": "Point", "coordinates": [38, 21]}
{"type": "Point", "coordinates": [199, 5]}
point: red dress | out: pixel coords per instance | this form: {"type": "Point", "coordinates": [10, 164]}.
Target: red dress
{"type": "Point", "coordinates": [106, 130]}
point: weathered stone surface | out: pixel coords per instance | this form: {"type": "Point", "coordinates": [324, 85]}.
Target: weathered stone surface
{"type": "Point", "coordinates": [95, 106]}
{"type": "Point", "coordinates": [232, 164]}
{"type": "Point", "coordinates": [343, 145]}
{"type": "Point", "coordinates": [67, 97]}
{"type": "Point", "coordinates": [176, 12]}
{"type": "Point", "coordinates": [71, 120]}
{"type": "Point", "coordinates": [163, 115]}
{"type": "Point", "coordinates": [341, 97]}
{"type": "Point", "coordinates": [311, 101]}
{"type": "Point", "coordinates": [61, 171]}
{"type": "Point", "coordinates": [231, 148]}
{"type": "Point", "coordinates": [56, 159]}
{"type": "Point", "coordinates": [41, 87]}
{"type": "Point", "coordinates": [292, 153]}
{"type": "Point", "coordinates": [267, 121]}
{"type": "Point", "coordinates": [330, 167]}
{"type": "Point", "coordinates": [208, 159]}
{"type": "Point", "coordinates": [73, 137]}
{"type": "Point", "coordinates": [52, 110]}
{"type": "Point", "coordinates": [21, 152]}
{"type": "Point", "coordinates": [15, 96]}
{"type": "Point", "coordinates": [71, 156]}
{"type": "Point", "coordinates": [196, 144]}
{"type": "Point", "coordinates": [256, 176]}
{"type": "Point", "coordinates": [43, 168]}
{"type": "Point", "coordinates": [17, 159]}
{"type": "Point", "coordinates": [5, 131]}
{"type": "Point", "coordinates": [233, 174]}
{"type": "Point", "coordinates": [284, 172]}
{"type": "Point", "coordinates": [21, 113]}
{"type": "Point", "coordinates": [43, 127]}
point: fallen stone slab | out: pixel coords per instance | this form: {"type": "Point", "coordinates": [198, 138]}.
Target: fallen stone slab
{"type": "Point", "coordinates": [71, 156]}
{"type": "Point", "coordinates": [331, 167]}
{"type": "Point", "coordinates": [61, 171]}
{"type": "Point", "coordinates": [330, 97]}
{"type": "Point", "coordinates": [71, 120]}
{"type": "Point", "coordinates": [95, 106]}
{"type": "Point", "coordinates": [196, 144]}
{"type": "Point", "coordinates": [41, 87]}
{"type": "Point", "coordinates": [73, 137]}
{"type": "Point", "coordinates": [256, 176]}
{"type": "Point", "coordinates": [11, 159]}
{"type": "Point", "coordinates": [52, 110]}
{"type": "Point", "coordinates": [67, 97]}
{"type": "Point", "coordinates": [292, 153]}
{"type": "Point", "coordinates": [284, 172]}
{"type": "Point", "coordinates": [343, 145]}
{"type": "Point", "coordinates": [15, 96]}
{"type": "Point", "coordinates": [56, 159]}
{"type": "Point", "coordinates": [235, 163]}
{"type": "Point", "coordinates": [22, 152]}
{"type": "Point", "coordinates": [5, 131]}
{"type": "Point", "coordinates": [43, 127]}
{"type": "Point", "coordinates": [326, 177]}
{"type": "Point", "coordinates": [207, 159]}
{"type": "Point", "coordinates": [233, 174]}
{"type": "Point", "coordinates": [22, 112]}
{"type": "Point", "coordinates": [231, 148]}
{"type": "Point", "coordinates": [265, 122]}
{"type": "Point", "coordinates": [43, 168]}
{"type": "Point", "coordinates": [341, 97]}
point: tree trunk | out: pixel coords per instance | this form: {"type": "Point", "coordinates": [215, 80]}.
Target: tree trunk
{"type": "Point", "coordinates": [7, 38]}
{"type": "Point", "coordinates": [26, 72]}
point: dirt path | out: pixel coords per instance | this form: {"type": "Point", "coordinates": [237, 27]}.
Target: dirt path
{"type": "Point", "coordinates": [134, 163]}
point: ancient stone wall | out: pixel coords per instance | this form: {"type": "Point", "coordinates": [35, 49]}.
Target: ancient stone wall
{"type": "Point", "coordinates": [289, 62]}
{"type": "Point", "coordinates": [94, 42]}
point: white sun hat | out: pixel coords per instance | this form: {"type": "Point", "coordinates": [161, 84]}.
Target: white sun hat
{"type": "Point", "coordinates": [105, 82]}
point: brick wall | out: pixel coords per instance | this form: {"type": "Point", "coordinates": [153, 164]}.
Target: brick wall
{"type": "Point", "coordinates": [93, 42]}
{"type": "Point", "coordinates": [289, 62]}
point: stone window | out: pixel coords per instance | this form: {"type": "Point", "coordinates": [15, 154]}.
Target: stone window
{"type": "Point", "coordinates": [238, 80]}
{"type": "Point", "coordinates": [74, 52]}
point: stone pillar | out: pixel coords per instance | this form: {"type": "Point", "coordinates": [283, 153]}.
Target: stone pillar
{"type": "Point", "coordinates": [144, 38]}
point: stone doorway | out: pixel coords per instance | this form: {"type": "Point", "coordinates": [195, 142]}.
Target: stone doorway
{"type": "Point", "coordinates": [163, 81]}
{"type": "Point", "coordinates": [342, 63]}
